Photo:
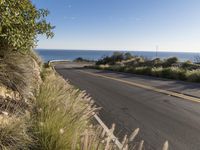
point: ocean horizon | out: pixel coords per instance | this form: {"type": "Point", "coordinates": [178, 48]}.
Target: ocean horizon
{"type": "Point", "coordinates": [61, 54]}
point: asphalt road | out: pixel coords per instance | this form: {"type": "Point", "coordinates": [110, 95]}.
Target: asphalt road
{"type": "Point", "coordinates": [160, 117]}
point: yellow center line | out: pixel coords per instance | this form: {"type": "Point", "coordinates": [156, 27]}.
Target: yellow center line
{"type": "Point", "coordinates": [175, 94]}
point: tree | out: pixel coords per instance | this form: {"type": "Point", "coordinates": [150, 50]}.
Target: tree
{"type": "Point", "coordinates": [117, 56]}
{"type": "Point", "coordinates": [128, 56]}
{"type": "Point", "coordinates": [170, 61]}
{"type": "Point", "coordinates": [20, 23]}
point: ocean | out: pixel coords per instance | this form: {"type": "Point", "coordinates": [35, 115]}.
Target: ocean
{"type": "Point", "coordinates": [95, 55]}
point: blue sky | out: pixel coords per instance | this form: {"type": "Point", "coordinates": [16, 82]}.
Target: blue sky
{"type": "Point", "coordinates": [173, 25]}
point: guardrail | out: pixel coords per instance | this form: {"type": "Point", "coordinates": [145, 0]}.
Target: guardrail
{"type": "Point", "coordinates": [52, 61]}
{"type": "Point", "coordinates": [109, 132]}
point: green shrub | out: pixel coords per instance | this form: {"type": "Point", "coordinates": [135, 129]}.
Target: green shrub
{"type": "Point", "coordinates": [174, 73]}
{"type": "Point", "coordinates": [20, 23]}
{"type": "Point", "coordinates": [143, 70]}
{"type": "Point", "coordinates": [105, 60]}
{"type": "Point", "coordinates": [156, 62]}
{"type": "Point", "coordinates": [168, 62]}
{"type": "Point", "coordinates": [157, 71]}
{"type": "Point", "coordinates": [193, 76]}
{"type": "Point", "coordinates": [80, 59]}
{"type": "Point", "coordinates": [127, 56]}
{"type": "Point", "coordinates": [187, 64]}
{"type": "Point", "coordinates": [127, 69]}
{"type": "Point", "coordinates": [116, 57]}
{"type": "Point", "coordinates": [177, 73]}
{"type": "Point", "coordinates": [116, 68]}
{"type": "Point", "coordinates": [190, 66]}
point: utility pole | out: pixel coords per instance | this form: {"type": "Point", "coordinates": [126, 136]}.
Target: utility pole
{"type": "Point", "coordinates": [157, 48]}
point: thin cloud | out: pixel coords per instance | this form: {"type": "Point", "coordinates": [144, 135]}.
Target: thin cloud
{"type": "Point", "coordinates": [69, 18]}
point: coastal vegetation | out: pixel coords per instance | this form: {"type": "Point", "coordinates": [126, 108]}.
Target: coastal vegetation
{"type": "Point", "coordinates": [170, 68]}
{"type": "Point", "coordinates": [80, 59]}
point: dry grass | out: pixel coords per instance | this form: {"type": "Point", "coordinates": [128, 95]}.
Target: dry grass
{"type": "Point", "coordinates": [14, 133]}
{"type": "Point", "coordinates": [62, 112]}
{"type": "Point", "coordinates": [18, 72]}
{"type": "Point", "coordinates": [19, 82]}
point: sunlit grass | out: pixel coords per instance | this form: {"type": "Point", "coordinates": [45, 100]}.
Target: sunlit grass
{"type": "Point", "coordinates": [14, 134]}
{"type": "Point", "coordinates": [63, 112]}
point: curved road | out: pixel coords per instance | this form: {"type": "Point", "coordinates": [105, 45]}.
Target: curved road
{"type": "Point", "coordinates": [160, 117]}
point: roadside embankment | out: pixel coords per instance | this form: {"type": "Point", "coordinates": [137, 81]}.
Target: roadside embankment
{"type": "Point", "coordinates": [19, 84]}
{"type": "Point", "coordinates": [40, 110]}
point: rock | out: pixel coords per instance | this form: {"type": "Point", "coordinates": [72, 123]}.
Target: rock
{"type": "Point", "coordinates": [9, 93]}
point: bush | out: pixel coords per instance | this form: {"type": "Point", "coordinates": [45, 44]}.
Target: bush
{"type": "Point", "coordinates": [20, 23]}
{"type": "Point", "coordinates": [187, 64]}
{"type": "Point", "coordinates": [116, 68]}
{"type": "Point", "coordinates": [168, 62]}
{"type": "Point", "coordinates": [142, 70]}
{"type": "Point", "coordinates": [193, 76]}
{"type": "Point", "coordinates": [80, 59]}
{"type": "Point", "coordinates": [139, 70]}
{"type": "Point", "coordinates": [116, 57]}
{"type": "Point", "coordinates": [177, 73]}
{"type": "Point", "coordinates": [157, 71]}
{"type": "Point", "coordinates": [156, 62]}
{"type": "Point", "coordinates": [174, 73]}
{"type": "Point", "coordinates": [104, 61]}
{"type": "Point", "coordinates": [127, 56]}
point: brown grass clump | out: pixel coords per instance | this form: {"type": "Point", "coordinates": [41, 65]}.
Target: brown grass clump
{"type": "Point", "coordinates": [63, 112]}
{"type": "Point", "coordinates": [19, 83]}
{"type": "Point", "coordinates": [20, 73]}
{"type": "Point", "coordinates": [13, 133]}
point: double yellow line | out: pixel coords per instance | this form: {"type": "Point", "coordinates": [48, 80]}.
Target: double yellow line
{"type": "Point", "coordinates": [175, 94]}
